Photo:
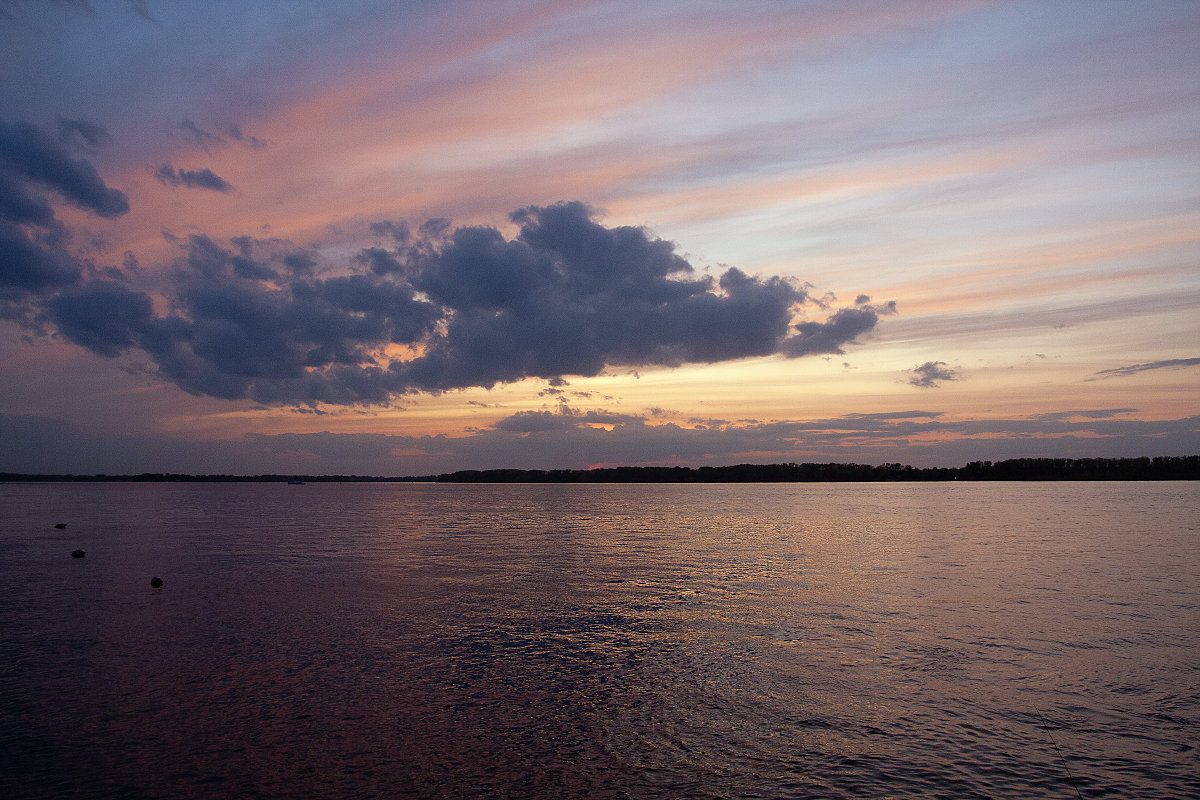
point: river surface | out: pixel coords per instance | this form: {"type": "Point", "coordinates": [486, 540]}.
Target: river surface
{"type": "Point", "coordinates": [945, 640]}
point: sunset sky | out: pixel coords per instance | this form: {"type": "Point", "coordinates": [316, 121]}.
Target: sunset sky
{"type": "Point", "coordinates": [402, 238]}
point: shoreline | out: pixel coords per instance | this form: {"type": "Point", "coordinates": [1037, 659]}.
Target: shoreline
{"type": "Point", "coordinates": [1021, 469]}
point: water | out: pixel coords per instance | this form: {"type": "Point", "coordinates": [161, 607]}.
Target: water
{"type": "Point", "coordinates": [629, 641]}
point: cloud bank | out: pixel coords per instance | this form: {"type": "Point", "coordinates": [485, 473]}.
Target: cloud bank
{"type": "Point", "coordinates": [440, 310]}
{"type": "Point", "coordinates": [571, 438]}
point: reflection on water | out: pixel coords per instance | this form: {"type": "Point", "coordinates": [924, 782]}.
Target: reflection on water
{"type": "Point", "coordinates": [411, 640]}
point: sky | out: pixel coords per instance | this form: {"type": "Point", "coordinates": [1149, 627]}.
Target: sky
{"type": "Point", "coordinates": [404, 238]}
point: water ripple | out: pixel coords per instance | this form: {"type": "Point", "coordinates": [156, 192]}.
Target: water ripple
{"type": "Point", "coordinates": [878, 641]}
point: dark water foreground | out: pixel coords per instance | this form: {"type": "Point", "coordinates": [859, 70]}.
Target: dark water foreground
{"type": "Point", "coordinates": [415, 640]}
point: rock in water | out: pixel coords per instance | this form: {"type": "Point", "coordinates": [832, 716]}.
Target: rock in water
{"type": "Point", "coordinates": [61, 525]}
{"type": "Point", "coordinates": [78, 553]}
{"type": "Point", "coordinates": [156, 582]}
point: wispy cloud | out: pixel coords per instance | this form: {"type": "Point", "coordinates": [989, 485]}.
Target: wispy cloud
{"type": "Point", "coordinates": [199, 135]}
{"type": "Point", "coordinates": [1133, 369]}
{"type": "Point", "coordinates": [73, 131]}
{"type": "Point", "coordinates": [1096, 413]}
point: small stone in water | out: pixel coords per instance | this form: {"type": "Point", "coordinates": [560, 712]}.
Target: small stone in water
{"type": "Point", "coordinates": [156, 582]}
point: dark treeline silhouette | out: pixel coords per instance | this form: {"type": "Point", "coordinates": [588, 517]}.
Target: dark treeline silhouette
{"type": "Point", "coordinates": [1161, 468]}
{"type": "Point", "coordinates": [1019, 469]}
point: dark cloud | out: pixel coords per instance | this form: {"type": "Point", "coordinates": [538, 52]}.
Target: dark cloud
{"type": "Point", "coordinates": [470, 307]}
{"type": "Point", "coordinates": [28, 154]}
{"type": "Point", "coordinates": [192, 178]}
{"type": "Point", "coordinates": [103, 316]}
{"type": "Point", "coordinates": [570, 296]}
{"type": "Point", "coordinates": [930, 374]}
{"type": "Point", "coordinates": [533, 421]}
{"type": "Point", "coordinates": [34, 258]}
{"type": "Point", "coordinates": [20, 207]}
{"type": "Point", "coordinates": [30, 265]}
{"type": "Point", "coordinates": [253, 142]}
{"type": "Point", "coordinates": [1133, 369]}
{"type": "Point", "coordinates": [434, 228]}
{"type": "Point", "coordinates": [300, 262]}
{"type": "Point", "coordinates": [380, 261]}
{"type": "Point", "coordinates": [843, 327]}
{"type": "Point", "coordinates": [244, 263]}
{"type": "Point", "coordinates": [398, 231]}
{"type": "Point", "coordinates": [239, 328]}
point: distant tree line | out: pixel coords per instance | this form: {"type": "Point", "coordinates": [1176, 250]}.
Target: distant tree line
{"type": "Point", "coordinates": [1161, 468]}
{"type": "Point", "coordinates": [1018, 469]}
